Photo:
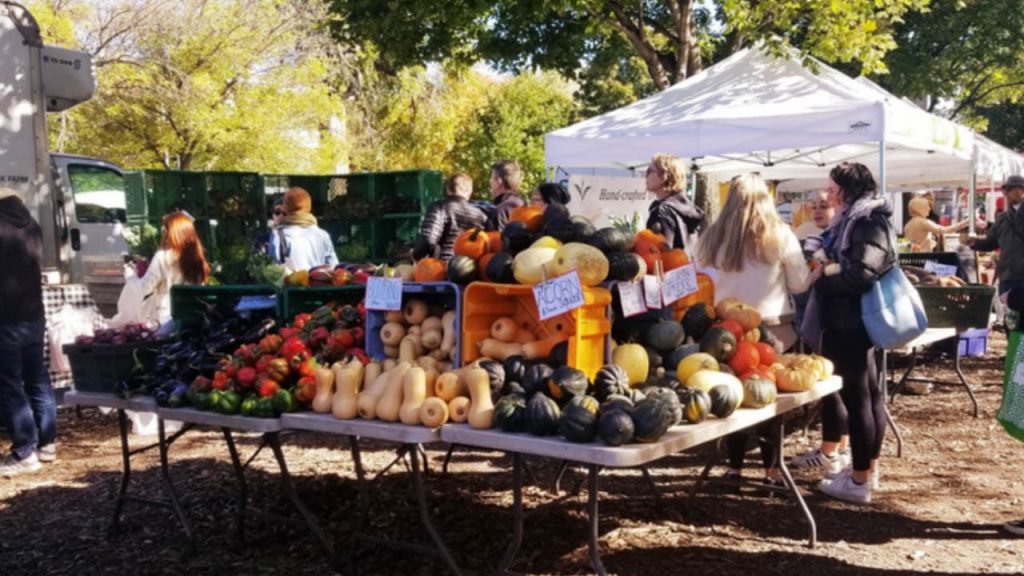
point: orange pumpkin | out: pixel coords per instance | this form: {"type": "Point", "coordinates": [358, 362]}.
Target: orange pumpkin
{"type": "Point", "coordinates": [472, 243]}
{"type": "Point", "coordinates": [429, 270]}
{"type": "Point", "coordinates": [648, 241]}
{"type": "Point", "coordinates": [531, 216]}
{"type": "Point", "coordinates": [482, 266]}
{"type": "Point", "coordinates": [672, 259]}
{"type": "Point", "coordinates": [494, 242]}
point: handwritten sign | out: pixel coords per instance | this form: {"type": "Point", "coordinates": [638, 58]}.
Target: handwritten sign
{"type": "Point", "coordinates": [383, 293]}
{"type": "Point", "coordinates": [558, 295]}
{"type": "Point", "coordinates": [652, 292]}
{"type": "Point", "coordinates": [679, 283]}
{"type": "Point", "coordinates": [940, 269]}
{"type": "Point", "coordinates": [631, 296]}
{"type": "Point", "coordinates": [256, 302]}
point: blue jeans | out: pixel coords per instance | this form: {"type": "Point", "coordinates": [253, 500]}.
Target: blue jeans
{"type": "Point", "coordinates": [27, 406]}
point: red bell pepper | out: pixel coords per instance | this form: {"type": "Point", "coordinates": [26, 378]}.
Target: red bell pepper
{"type": "Point", "coordinates": [270, 343]}
{"type": "Point", "coordinates": [246, 377]}
{"type": "Point", "coordinates": [304, 364]}
{"type": "Point", "coordinates": [292, 347]}
{"type": "Point", "coordinates": [288, 333]}
{"type": "Point", "coordinates": [305, 389]}
{"type": "Point", "coordinates": [318, 337]}
{"type": "Point", "coordinates": [278, 370]}
{"type": "Point", "coordinates": [264, 363]}
{"type": "Point", "coordinates": [267, 388]}
{"type": "Point", "coordinates": [221, 381]}
{"type": "Point", "coordinates": [343, 338]}
{"type": "Point", "coordinates": [300, 320]}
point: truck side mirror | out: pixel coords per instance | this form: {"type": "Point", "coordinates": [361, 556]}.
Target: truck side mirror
{"type": "Point", "coordinates": [76, 239]}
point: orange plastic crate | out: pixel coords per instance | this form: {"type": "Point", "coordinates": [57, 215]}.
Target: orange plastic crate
{"type": "Point", "coordinates": [589, 325]}
{"type": "Point", "coordinates": [705, 293]}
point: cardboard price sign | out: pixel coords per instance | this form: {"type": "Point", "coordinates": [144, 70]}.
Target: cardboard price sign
{"type": "Point", "coordinates": [679, 283]}
{"type": "Point", "coordinates": [558, 295]}
{"type": "Point", "coordinates": [383, 293]}
{"type": "Point", "coordinates": [652, 292]}
{"type": "Point", "coordinates": [631, 296]}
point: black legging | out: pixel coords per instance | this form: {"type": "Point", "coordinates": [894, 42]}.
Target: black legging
{"type": "Point", "coordinates": [854, 357]}
{"type": "Point", "coordinates": [835, 422]}
{"type": "Point", "coordinates": [767, 439]}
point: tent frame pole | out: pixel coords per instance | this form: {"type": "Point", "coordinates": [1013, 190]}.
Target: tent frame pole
{"type": "Point", "coordinates": [971, 201]}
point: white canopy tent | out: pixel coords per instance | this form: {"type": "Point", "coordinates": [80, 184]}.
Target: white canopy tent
{"type": "Point", "coordinates": [755, 112]}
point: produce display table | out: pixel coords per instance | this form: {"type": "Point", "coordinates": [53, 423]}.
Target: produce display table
{"type": "Point", "coordinates": [411, 439]}
{"type": "Point", "coordinates": [138, 404]}
{"type": "Point", "coordinates": [931, 336]}
{"type": "Point", "coordinates": [597, 455]}
{"type": "Point", "coordinates": [270, 431]}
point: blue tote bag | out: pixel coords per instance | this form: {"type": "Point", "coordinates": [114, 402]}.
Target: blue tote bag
{"type": "Point", "coordinates": [892, 310]}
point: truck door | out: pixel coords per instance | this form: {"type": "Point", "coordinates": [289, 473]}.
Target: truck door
{"type": "Point", "coordinates": [96, 215]}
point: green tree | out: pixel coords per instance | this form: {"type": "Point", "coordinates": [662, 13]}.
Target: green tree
{"type": "Point", "coordinates": [212, 84]}
{"type": "Point", "coordinates": [673, 38]}
{"type": "Point", "coordinates": [964, 54]}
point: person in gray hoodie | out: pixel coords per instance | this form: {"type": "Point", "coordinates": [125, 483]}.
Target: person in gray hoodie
{"type": "Point", "coordinates": [27, 406]}
{"type": "Point", "coordinates": [506, 177]}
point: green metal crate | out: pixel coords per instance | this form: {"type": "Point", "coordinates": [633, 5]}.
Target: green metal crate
{"type": "Point", "coordinates": [394, 236]}
{"type": "Point", "coordinates": [406, 192]}
{"type": "Point", "coordinates": [236, 196]}
{"type": "Point", "coordinates": [960, 308]}
{"type": "Point", "coordinates": [353, 241]}
{"type": "Point", "coordinates": [298, 300]}
{"type": "Point", "coordinates": [188, 303]}
{"type": "Point", "coordinates": [155, 193]}
{"type": "Point", "coordinates": [99, 367]}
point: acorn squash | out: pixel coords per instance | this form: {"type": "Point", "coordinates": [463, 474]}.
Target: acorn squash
{"type": "Point", "coordinates": [510, 413]}
{"type": "Point", "coordinates": [515, 238]}
{"type": "Point", "coordinates": [584, 228]}
{"type": "Point", "coordinates": [615, 427]}
{"type": "Point", "coordinates": [697, 320]}
{"type": "Point", "coordinates": [499, 268]}
{"type": "Point", "coordinates": [495, 376]}
{"type": "Point", "coordinates": [610, 380]}
{"type": "Point", "coordinates": [758, 392]}
{"type": "Point", "coordinates": [535, 379]}
{"type": "Point", "coordinates": [720, 343]}
{"type": "Point", "coordinates": [608, 240]}
{"type": "Point", "coordinates": [618, 402]}
{"type": "Point", "coordinates": [724, 400]}
{"type": "Point", "coordinates": [665, 336]}
{"type": "Point", "coordinates": [566, 382]}
{"type": "Point", "coordinates": [670, 398]}
{"type": "Point", "coordinates": [651, 419]}
{"type": "Point", "coordinates": [515, 368]}
{"type": "Point", "coordinates": [622, 266]}
{"type": "Point", "coordinates": [578, 422]}
{"type": "Point", "coordinates": [461, 270]}
{"type": "Point", "coordinates": [542, 415]}
{"type": "Point", "coordinates": [558, 224]}
{"type": "Point", "coordinates": [696, 405]}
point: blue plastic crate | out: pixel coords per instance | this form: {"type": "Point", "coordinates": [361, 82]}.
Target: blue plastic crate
{"type": "Point", "coordinates": [445, 294]}
{"type": "Point", "coordinates": [973, 342]}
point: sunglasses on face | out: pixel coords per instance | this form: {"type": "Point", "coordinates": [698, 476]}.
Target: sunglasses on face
{"type": "Point", "coordinates": [279, 212]}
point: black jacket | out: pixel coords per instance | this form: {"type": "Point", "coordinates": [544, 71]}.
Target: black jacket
{"type": "Point", "coordinates": [442, 224]}
{"type": "Point", "coordinates": [504, 205]}
{"type": "Point", "coordinates": [21, 254]}
{"type": "Point", "coordinates": [674, 217]}
{"type": "Point", "coordinates": [868, 256]}
{"type": "Point", "coordinates": [1007, 234]}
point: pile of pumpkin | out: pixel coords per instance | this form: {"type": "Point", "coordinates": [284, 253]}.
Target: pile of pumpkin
{"type": "Point", "coordinates": [538, 244]}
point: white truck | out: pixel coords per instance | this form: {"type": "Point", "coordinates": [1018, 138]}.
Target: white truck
{"type": "Point", "coordinates": [79, 202]}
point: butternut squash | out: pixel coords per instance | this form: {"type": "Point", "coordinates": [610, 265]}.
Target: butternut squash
{"type": "Point", "coordinates": [542, 348]}
{"type": "Point", "coordinates": [481, 408]}
{"type": "Point", "coordinates": [389, 364]}
{"type": "Point", "coordinates": [443, 367]}
{"type": "Point", "coordinates": [414, 391]}
{"type": "Point", "coordinates": [500, 351]}
{"type": "Point", "coordinates": [410, 349]}
{"type": "Point", "coordinates": [391, 334]}
{"type": "Point", "coordinates": [523, 336]}
{"type": "Point", "coordinates": [347, 381]}
{"type": "Point", "coordinates": [432, 339]}
{"type": "Point", "coordinates": [448, 323]}
{"type": "Point", "coordinates": [391, 400]}
{"type": "Point", "coordinates": [391, 351]}
{"type": "Point", "coordinates": [426, 362]}
{"type": "Point", "coordinates": [414, 311]}
{"type": "Point", "coordinates": [433, 412]}
{"type": "Point", "coordinates": [446, 387]}
{"type": "Point", "coordinates": [370, 373]}
{"type": "Point", "coordinates": [324, 378]}
{"type": "Point", "coordinates": [504, 329]}
{"type": "Point", "coordinates": [394, 316]}
{"type": "Point", "coordinates": [414, 331]}
{"type": "Point", "coordinates": [458, 409]}
{"type": "Point", "coordinates": [431, 374]}
{"type": "Point", "coordinates": [440, 354]}
{"type": "Point", "coordinates": [432, 323]}
{"type": "Point", "coordinates": [366, 401]}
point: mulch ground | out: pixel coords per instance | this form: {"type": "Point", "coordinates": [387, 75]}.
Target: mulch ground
{"type": "Point", "coordinates": [939, 509]}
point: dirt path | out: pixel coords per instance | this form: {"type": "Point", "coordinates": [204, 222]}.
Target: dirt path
{"type": "Point", "coordinates": [939, 509]}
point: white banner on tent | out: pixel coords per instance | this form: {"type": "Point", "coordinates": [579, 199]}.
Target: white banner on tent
{"type": "Point", "coordinates": [601, 198]}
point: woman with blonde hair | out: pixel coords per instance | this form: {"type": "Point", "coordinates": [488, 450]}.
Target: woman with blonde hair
{"type": "Point", "coordinates": [180, 260]}
{"type": "Point", "coordinates": [672, 215]}
{"type": "Point", "coordinates": [756, 258]}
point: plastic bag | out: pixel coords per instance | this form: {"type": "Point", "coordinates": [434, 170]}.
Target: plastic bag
{"type": "Point", "coordinates": [1011, 411]}
{"type": "Point", "coordinates": [130, 309]}
{"type": "Point", "coordinates": [62, 328]}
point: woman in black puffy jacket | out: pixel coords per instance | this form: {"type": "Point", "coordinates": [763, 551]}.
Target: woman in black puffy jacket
{"type": "Point", "coordinates": [859, 250]}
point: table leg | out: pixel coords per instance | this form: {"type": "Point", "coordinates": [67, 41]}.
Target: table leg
{"type": "Point", "coordinates": [884, 382]}
{"type": "Point", "coordinates": [779, 446]}
{"type": "Point", "coordinates": [165, 477]}
{"type": "Point", "coordinates": [428, 524]}
{"type": "Point", "coordinates": [716, 449]}
{"type": "Point", "coordinates": [447, 459]}
{"type": "Point", "coordinates": [126, 473]}
{"type": "Point", "coordinates": [242, 498]}
{"type": "Point", "coordinates": [592, 543]}
{"type": "Point", "coordinates": [517, 514]}
{"type": "Point", "coordinates": [903, 379]}
{"type": "Point", "coordinates": [274, 439]}
{"type": "Point", "coordinates": [362, 501]}
{"type": "Point", "coordinates": [562, 467]}
{"type": "Point", "coordinates": [963, 381]}
{"type": "Point", "coordinates": [650, 482]}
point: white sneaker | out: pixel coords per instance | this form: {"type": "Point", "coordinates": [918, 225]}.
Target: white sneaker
{"type": "Point", "coordinates": [846, 458]}
{"type": "Point", "coordinates": [875, 482]}
{"type": "Point", "coordinates": [11, 466]}
{"type": "Point", "coordinates": [815, 458]}
{"type": "Point", "coordinates": [47, 453]}
{"type": "Point", "coordinates": [844, 488]}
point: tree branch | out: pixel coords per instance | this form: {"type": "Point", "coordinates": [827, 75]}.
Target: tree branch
{"type": "Point", "coordinates": [646, 51]}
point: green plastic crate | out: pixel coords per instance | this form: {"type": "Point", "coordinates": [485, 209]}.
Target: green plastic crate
{"type": "Point", "coordinates": [298, 300]}
{"type": "Point", "coordinates": [406, 192]}
{"type": "Point", "coordinates": [394, 236]}
{"type": "Point", "coordinates": [151, 194]}
{"type": "Point", "coordinates": [188, 303]}
{"type": "Point", "coordinates": [236, 196]}
{"type": "Point", "coordinates": [353, 241]}
{"type": "Point", "coordinates": [961, 308]}
{"type": "Point", "coordinates": [99, 367]}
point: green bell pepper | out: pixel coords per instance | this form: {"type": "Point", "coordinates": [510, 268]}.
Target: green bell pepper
{"type": "Point", "coordinates": [249, 405]}
{"type": "Point", "coordinates": [264, 408]}
{"type": "Point", "coordinates": [284, 402]}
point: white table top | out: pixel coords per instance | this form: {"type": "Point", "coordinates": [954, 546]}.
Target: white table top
{"type": "Point", "coordinates": [677, 439]}
{"type": "Point", "coordinates": [140, 403]}
{"type": "Point", "coordinates": [243, 423]}
{"type": "Point", "coordinates": [375, 429]}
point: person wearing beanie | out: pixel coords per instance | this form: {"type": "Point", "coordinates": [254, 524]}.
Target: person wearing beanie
{"type": "Point", "coordinates": [921, 230]}
{"type": "Point", "coordinates": [298, 243]}
{"type": "Point", "coordinates": [27, 407]}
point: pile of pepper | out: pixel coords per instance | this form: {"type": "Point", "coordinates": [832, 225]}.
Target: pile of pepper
{"type": "Point", "coordinates": [277, 373]}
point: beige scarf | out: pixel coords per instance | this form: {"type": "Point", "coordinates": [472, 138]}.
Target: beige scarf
{"type": "Point", "coordinates": [303, 219]}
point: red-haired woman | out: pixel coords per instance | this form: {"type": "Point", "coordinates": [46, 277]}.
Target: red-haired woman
{"type": "Point", "coordinates": [180, 260]}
